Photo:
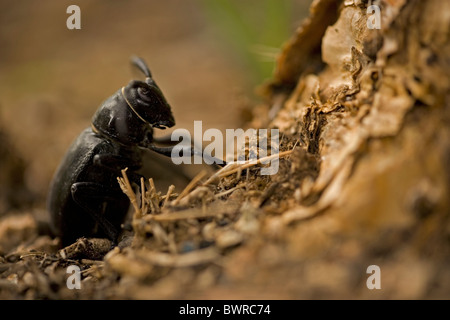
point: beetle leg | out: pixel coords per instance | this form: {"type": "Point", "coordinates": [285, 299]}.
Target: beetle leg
{"type": "Point", "coordinates": [167, 151]}
{"type": "Point", "coordinates": [83, 193]}
{"type": "Point", "coordinates": [164, 139]}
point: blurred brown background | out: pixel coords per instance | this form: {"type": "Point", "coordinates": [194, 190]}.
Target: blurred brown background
{"type": "Point", "coordinates": [53, 79]}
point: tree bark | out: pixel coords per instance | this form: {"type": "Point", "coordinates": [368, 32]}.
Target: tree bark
{"type": "Point", "coordinates": [374, 113]}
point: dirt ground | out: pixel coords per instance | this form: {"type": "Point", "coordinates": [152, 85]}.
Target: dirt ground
{"type": "Point", "coordinates": [354, 188]}
{"type": "Point", "coordinates": [53, 79]}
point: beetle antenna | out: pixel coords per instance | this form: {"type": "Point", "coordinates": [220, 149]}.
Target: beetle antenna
{"type": "Point", "coordinates": [140, 63]}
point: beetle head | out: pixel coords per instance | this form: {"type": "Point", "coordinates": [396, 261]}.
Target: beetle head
{"type": "Point", "coordinates": [130, 115]}
{"type": "Point", "coordinates": [146, 99]}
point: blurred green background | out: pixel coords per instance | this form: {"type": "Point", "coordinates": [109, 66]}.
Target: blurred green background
{"type": "Point", "coordinates": [256, 30]}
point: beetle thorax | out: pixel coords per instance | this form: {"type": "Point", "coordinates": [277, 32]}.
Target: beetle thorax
{"type": "Point", "coordinates": [116, 121]}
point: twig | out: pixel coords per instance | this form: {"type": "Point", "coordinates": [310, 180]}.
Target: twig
{"type": "Point", "coordinates": [295, 144]}
{"type": "Point", "coordinates": [152, 185]}
{"type": "Point", "coordinates": [168, 194]}
{"type": "Point", "coordinates": [190, 186]}
{"type": "Point", "coordinates": [224, 193]}
{"type": "Point", "coordinates": [152, 195]}
{"type": "Point", "coordinates": [195, 213]}
{"type": "Point", "coordinates": [143, 204]}
{"type": "Point", "coordinates": [233, 167]}
{"type": "Point", "coordinates": [190, 259]}
{"type": "Point", "coordinates": [252, 163]}
{"type": "Point", "coordinates": [218, 173]}
{"type": "Point", "coordinates": [128, 190]}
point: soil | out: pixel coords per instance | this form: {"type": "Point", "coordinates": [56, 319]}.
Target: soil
{"type": "Point", "coordinates": [354, 188]}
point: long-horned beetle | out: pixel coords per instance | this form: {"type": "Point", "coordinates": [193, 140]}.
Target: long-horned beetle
{"type": "Point", "coordinates": [85, 198]}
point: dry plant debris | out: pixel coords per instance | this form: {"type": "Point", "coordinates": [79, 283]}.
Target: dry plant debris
{"type": "Point", "coordinates": [363, 179]}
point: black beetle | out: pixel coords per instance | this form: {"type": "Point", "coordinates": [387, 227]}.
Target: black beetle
{"type": "Point", "coordinates": [85, 198]}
